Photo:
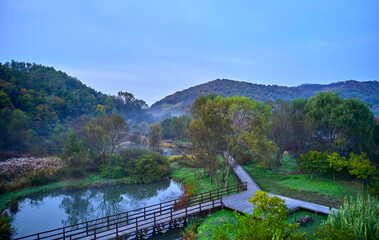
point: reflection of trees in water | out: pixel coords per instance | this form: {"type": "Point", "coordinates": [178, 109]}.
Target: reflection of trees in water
{"type": "Point", "coordinates": [77, 206]}
{"type": "Point", "coordinates": [81, 206]}
{"type": "Point", "coordinates": [169, 196]}
{"type": "Point", "coordinates": [38, 200]}
{"type": "Point", "coordinates": [139, 193]}
{"type": "Point", "coordinates": [108, 202]}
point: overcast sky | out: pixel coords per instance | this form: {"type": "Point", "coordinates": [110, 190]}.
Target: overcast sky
{"type": "Point", "coordinates": [155, 48]}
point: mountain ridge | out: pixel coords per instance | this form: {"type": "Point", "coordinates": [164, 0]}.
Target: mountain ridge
{"type": "Point", "coordinates": [181, 100]}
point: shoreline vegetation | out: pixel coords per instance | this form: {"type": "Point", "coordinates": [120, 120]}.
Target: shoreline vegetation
{"type": "Point", "coordinates": [288, 182]}
{"type": "Point", "coordinates": [89, 181]}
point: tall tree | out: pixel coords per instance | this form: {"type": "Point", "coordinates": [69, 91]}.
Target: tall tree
{"type": "Point", "coordinates": [116, 130]}
{"type": "Point", "coordinates": [280, 128]}
{"type": "Point", "coordinates": [359, 131]}
{"type": "Point", "coordinates": [240, 122]}
{"type": "Point", "coordinates": [104, 134]}
{"type": "Point", "coordinates": [299, 134]}
{"type": "Point", "coordinates": [155, 135]}
{"type": "Point", "coordinates": [326, 116]}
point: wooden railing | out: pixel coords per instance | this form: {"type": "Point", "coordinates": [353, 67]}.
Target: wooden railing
{"type": "Point", "coordinates": [141, 221]}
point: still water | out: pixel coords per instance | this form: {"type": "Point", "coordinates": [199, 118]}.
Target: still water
{"type": "Point", "coordinates": [47, 211]}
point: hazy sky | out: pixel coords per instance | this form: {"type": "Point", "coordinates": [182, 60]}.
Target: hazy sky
{"type": "Point", "coordinates": [155, 48]}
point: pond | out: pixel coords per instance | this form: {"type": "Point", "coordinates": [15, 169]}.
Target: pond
{"type": "Point", "coordinates": [46, 211]}
{"type": "Point", "coordinates": [55, 209]}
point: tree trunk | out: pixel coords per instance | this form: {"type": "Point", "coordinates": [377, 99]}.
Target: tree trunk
{"type": "Point", "coordinates": [198, 170]}
{"type": "Point", "coordinates": [217, 181]}
{"type": "Point", "coordinates": [227, 175]}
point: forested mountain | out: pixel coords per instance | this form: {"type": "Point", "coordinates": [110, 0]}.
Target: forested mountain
{"type": "Point", "coordinates": [366, 91]}
{"type": "Point", "coordinates": [37, 102]}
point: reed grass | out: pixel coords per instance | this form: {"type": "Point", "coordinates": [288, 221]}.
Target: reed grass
{"type": "Point", "coordinates": [360, 215]}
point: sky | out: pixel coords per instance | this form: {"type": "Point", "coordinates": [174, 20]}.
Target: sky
{"type": "Point", "coordinates": [155, 48]}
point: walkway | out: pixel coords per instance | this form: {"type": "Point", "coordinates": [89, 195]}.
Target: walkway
{"type": "Point", "coordinates": [142, 222]}
{"type": "Point", "coordinates": [238, 201]}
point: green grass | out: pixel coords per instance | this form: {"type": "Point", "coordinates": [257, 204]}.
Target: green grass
{"type": "Point", "coordinates": [190, 175]}
{"type": "Point", "coordinates": [218, 219]}
{"type": "Point", "coordinates": [89, 180]}
{"type": "Point", "coordinates": [289, 164]}
{"type": "Point", "coordinates": [320, 190]}
{"type": "Point", "coordinates": [310, 227]}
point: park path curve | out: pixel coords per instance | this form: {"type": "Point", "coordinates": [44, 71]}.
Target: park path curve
{"type": "Point", "coordinates": [239, 203]}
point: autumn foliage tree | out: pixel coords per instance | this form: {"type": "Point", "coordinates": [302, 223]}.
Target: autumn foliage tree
{"type": "Point", "coordinates": [231, 124]}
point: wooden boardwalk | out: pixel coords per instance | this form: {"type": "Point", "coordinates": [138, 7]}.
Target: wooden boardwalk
{"type": "Point", "coordinates": [144, 221]}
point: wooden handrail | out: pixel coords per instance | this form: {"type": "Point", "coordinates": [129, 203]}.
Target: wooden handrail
{"type": "Point", "coordinates": [141, 216]}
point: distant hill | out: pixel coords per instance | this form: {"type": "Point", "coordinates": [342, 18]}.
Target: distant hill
{"type": "Point", "coordinates": [37, 103]}
{"type": "Point", "coordinates": [179, 101]}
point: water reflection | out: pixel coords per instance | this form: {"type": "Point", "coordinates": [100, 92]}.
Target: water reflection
{"type": "Point", "coordinates": [46, 211]}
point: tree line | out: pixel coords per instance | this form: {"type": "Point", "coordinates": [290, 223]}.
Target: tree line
{"type": "Point", "coordinates": [38, 104]}
{"type": "Point", "coordinates": [341, 130]}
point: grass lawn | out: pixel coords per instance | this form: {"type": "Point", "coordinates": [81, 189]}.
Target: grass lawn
{"type": "Point", "coordinates": [289, 164]}
{"type": "Point", "coordinates": [320, 190]}
{"type": "Point", "coordinates": [310, 227]}
{"type": "Point", "coordinates": [189, 176]}
{"type": "Point", "coordinates": [218, 219]}
{"type": "Point", "coordinates": [89, 180]}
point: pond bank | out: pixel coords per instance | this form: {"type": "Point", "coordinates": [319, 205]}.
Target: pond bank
{"type": "Point", "coordinates": [91, 180]}
{"type": "Point", "coordinates": [45, 211]}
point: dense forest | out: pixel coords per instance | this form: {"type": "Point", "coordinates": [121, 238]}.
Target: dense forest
{"type": "Point", "coordinates": [38, 104]}
{"type": "Point", "coordinates": [179, 101]}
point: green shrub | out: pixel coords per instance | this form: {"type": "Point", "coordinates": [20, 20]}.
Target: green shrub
{"type": "Point", "coordinates": [190, 230]}
{"type": "Point", "coordinates": [75, 173]}
{"type": "Point", "coordinates": [359, 216]}
{"type": "Point", "coordinates": [268, 221]}
{"type": "Point", "coordinates": [14, 205]}
{"type": "Point", "coordinates": [132, 153]}
{"type": "Point", "coordinates": [150, 167]}
{"type": "Point", "coordinates": [113, 167]}
{"type": "Point", "coordinates": [38, 178]}
{"type": "Point", "coordinates": [327, 232]}
{"type": "Point", "coordinates": [5, 227]}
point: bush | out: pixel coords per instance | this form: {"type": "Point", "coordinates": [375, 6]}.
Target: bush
{"type": "Point", "coordinates": [128, 154]}
{"type": "Point", "coordinates": [39, 178]}
{"type": "Point", "coordinates": [150, 167]}
{"type": "Point", "coordinates": [327, 232]}
{"type": "Point", "coordinates": [359, 217]}
{"type": "Point", "coordinates": [14, 205]}
{"type": "Point", "coordinates": [268, 221]}
{"type": "Point", "coordinates": [75, 173]}
{"type": "Point", "coordinates": [5, 227]}
{"type": "Point", "coordinates": [113, 167]}
{"type": "Point", "coordinates": [191, 228]}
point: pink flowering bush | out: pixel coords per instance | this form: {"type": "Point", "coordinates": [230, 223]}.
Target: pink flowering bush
{"type": "Point", "coordinates": [23, 172]}
{"type": "Point", "coordinates": [19, 166]}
